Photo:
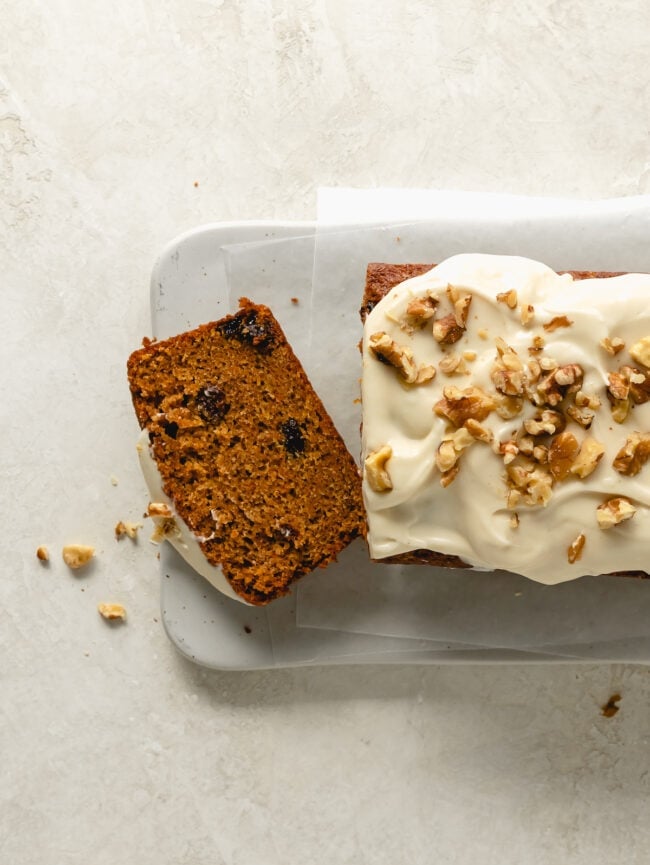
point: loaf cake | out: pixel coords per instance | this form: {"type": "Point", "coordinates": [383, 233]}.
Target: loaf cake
{"type": "Point", "coordinates": [249, 479]}
{"type": "Point", "coordinates": [506, 417]}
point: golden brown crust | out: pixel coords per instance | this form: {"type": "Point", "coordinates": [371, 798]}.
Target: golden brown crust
{"type": "Point", "coordinates": [247, 451]}
{"type": "Point", "coordinates": [380, 278]}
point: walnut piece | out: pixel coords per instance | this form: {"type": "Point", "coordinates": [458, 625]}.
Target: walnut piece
{"type": "Point", "coordinates": [640, 351]}
{"type": "Point", "coordinates": [546, 422]}
{"type": "Point", "coordinates": [591, 453]}
{"type": "Point", "coordinates": [42, 554]}
{"type": "Point", "coordinates": [376, 472]}
{"type": "Point", "coordinates": [558, 384]}
{"type": "Point", "coordinates": [461, 301]}
{"type": "Point", "coordinates": [446, 330]}
{"type": "Point", "coordinates": [508, 407]}
{"type": "Point", "coordinates": [453, 364]}
{"type": "Point", "coordinates": [158, 509]}
{"type": "Point", "coordinates": [562, 452]}
{"type": "Point", "coordinates": [612, 346]}
{"type": "Point", "coordinates": [77, 555]}
{"type": "Point", "coordinates": [582, 416]}
{"type": "Point", "coordinates": [574, 552]}
{"type": "Point", "coordinates": [389, 352]}
{"type": "Point", "coordinates": [508, 297]}
{"type": "Point", "coordinates": [527, 313]}
{"type": "Point", "coordinates": [458, 406]}
{"type": "Point", "coordinates": [614, 511]}
{"type": "Point", "coordinates": [633, 455]}
{"type": "Point", "coordinates": [556, 322]}
{"type": "Point", "coordinates": [534, 483]}
{"type": "Point", "coordinates": [112, 611]}
{"type": "Point", "coordinates": [451, 447]}
{"type": "Point", "coordinates": [449, 476]}
{"type": "Point", "coordinates": [481, 433]}
{"type": "Point", "coordinates": [128, 529]}
{"type": "Point", "coordinates": [639, 384]}
{"type": "Point", "coordinates": [421, 309]}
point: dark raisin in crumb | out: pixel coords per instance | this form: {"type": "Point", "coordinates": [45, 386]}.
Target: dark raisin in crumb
{"type": "Point", "coordinates": [171, 429]}
{"type": "Point", "coordinates": [211, 403]}
{"type": "Point", "coordinates": [245, 326]}
{"type": "Point", "coordinates": [294, 441]}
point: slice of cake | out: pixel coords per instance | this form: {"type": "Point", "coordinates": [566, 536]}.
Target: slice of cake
{"type": "Point", "coordinates": [506, 417]}
{"type": "Point", "coordinates": [249, 479]}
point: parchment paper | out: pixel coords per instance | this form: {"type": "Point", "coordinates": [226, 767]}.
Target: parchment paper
{"type": "Point", "coordinates": [595, 617]}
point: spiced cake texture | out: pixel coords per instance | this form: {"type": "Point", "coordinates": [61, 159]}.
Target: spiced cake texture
{"type": "Point", "coordinates": [382, 277]}
{"type": "Point", "coordinates": [247, 452]}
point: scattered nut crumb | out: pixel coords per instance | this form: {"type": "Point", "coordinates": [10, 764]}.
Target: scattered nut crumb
{"type": "Point", "coordinates": [469, 356]}
{"type": "Point", "coordinates": [556, 322]}
{"type": "Point", "coordinates": [114, 481]}
{"type": "Point", "coordinates": [508, 297]}
{"type": "Point", "coordinates": [483, 333]}
{"type": "Point", "coordinates": [611, 707]}
{"type": "Point", "coordinates": [77, 555]}
{"type": "Point", "coordinates": [527, 313]}
{"type": "Point", "coordinates": [514, 521]}
{"type": "Point", "coordinates": [158, 509]}
{"type": "Point", "coordinates": [111, 611]}
{"type": "Point", "coordinates": [196, 184]}
{"type": "Point", "coordinates": [129, 529]}
{"type": "Point", "coordinates": [574, 552]}
{"type": "Point", "coordinates": [612, 346]}
{"type": "Point", "coordinates": [42, 554]}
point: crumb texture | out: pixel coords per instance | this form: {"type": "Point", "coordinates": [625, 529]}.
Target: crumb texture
{"type": "Point", "coordinates": [247, 452]}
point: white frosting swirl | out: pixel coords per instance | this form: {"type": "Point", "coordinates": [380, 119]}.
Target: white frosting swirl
{"type": "Point", "coordinates": [469, 518]}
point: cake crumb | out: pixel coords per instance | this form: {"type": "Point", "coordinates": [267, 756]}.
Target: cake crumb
{"type": "Point", "coordinates": [611, 707]}
{"type": "Point", "coordinates": [196, 184]}
{"type": "Point", "coordinates": [77, 555]}
{"type": "Point", "coordinates": [295, 300]}
{"type": "Point", "coordinates": [42, 554]}
{"type": "Point", "coordinates": [248, 629]}
{"type": "Point", "coordinates": [112, 611]}
{"type": "Point", "coordinates": [127, 528]}
{"type": "Point", "coordinates": [114, 481]}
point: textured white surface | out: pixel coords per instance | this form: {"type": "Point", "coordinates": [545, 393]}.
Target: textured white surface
{"type": "Point", "coordinates": [113, 748]}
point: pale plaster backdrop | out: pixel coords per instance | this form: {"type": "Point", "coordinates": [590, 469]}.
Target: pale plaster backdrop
{"type": "Point", "coordinates": [112, 748]}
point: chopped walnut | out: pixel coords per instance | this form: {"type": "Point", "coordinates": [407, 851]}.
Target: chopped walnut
{"type": "Point", "coordinates": [574, 552]}
{"type": "Point", "coordinates": [619, 386]}
{"type": "Point", "coordinates": [469, 355]}
{"type": "Point", "coordinates": [452, 364]}
{"type": "Point", "coordinates": [451, 447]}
{"type": "Point", "coordinates": [425, 374]}
{"type": "Point", "coordinates": [534, 483]}
{"type": "Point", "coordinates": [526, 313]}
{"type": "Point", "coordinates": [557, 322]}
{"type": "Point", "coordinates": [639, 384]}
{"type": "Point", "coordinates": [560, 382]}
{"type": "Point", "coordinates": [77, 555]}
{"type": "Point", "coordinates": [508, 407]}
{"type": "Point", "coordinates": [158, 509]}
{"type": "Point", "coordinates": [508, 372]}
{"type": "Point", "coordinates": [389, 352]}
{"type": "Point", "coordinates": [508, 297]}
{"type": "Point", "coordinates": [548, 363]}
{"type": "Point", "coordinates": [128, 529]}
{"type": "Point", "coordinates": [449, 477]}
{"type": "Point", "coordinates": [620, 409]}
{"type": "Point", "coordinates": [534, 371]}
{"type": "Point", "coordinates": [446, 330]}
{"type": "Point", "coordinates": [479, 432]}
{"type": "Point", "coordinates": [540, 454]}
{"type": "Point", "coordinates": [614, 511]}
{"type": "Point", "coordinates": [514, 521]}
{"type": "Point", "coordinates": [562, 452]}
{"type": "Point", "coordinates": [586, 400]}
{"type": "Point", "coordinates": [633, 455]}
{"type": "Point", "coordinates": [509, 451]}
{"type": "Point", "coordinates": [461, 301]}
{"type": "Point", "coordinates": [112, 611]}
{"type": "Point", "coordinates": [538, 345]}
{"type": "Point", "coordinates": [483, 333]}
{"type": "Point", "coordinates": [421, 309]}
{"type": "Point", "coordinates": [526, 445]}
{"type": "Point", "coordinates": [42, 554]}
{"type": "Point", "coordinates": [458, 406]}
{"type": "Point", "coordinates": [582, 416]}
{"type": "Point", "coordinates": [640, 351]}
{"type": "Point", "coordinates": [546, 422]}
{"type": "Point", "coordinates": [376, 472]}
{"type": "Point", "coordinates": [591, 453]}
{"type": "Point", "coordinates": [612, 346]}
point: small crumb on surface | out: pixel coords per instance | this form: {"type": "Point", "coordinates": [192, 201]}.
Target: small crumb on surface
{"type": "Point", "coordinates": [114, 481]}
{"type": "Point", "coordinates": [77, 555]}
{"type": "Point", "coordinates": [128, 529]}
{"type": "Point", "coordinates": [611, 707]}
{"type": "Point", "coordinates": [42, 554]}
{"type": "Point", "coordinates": [248, 629]}
{"type": "Point", "coordinates": [111, 611]}
{"type": "Point", "coordinates": [196, 184]}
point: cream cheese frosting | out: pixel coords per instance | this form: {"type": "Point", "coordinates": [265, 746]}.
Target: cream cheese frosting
{"type": "Point", "coordinates": [172, 528]}
{"type": "Point", "coordinates": [584, 517]}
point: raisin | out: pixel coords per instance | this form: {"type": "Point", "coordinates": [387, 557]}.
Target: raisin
{"type": "Point", "coordinates": [294, 441]}
{"type": "Point", "coordinates": [211, 403]}
{"type": "Point", "coordinates": [246, 327]}
{"type": "Point", "coordinates": [171, 429]}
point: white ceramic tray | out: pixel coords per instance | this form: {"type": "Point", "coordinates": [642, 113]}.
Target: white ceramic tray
{"type": "Point", "coordinates": [190, 284]}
